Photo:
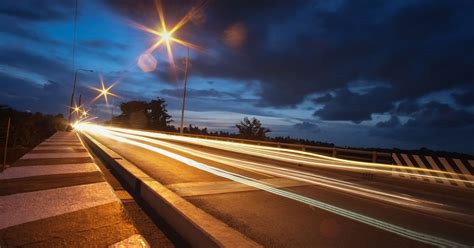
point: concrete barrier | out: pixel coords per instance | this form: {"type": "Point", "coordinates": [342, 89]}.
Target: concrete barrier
{"type": "Point", "coordinates": [196, 226]}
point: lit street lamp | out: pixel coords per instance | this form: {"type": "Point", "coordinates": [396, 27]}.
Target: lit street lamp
{"type": "Point", "coordinates": [73, 92]}
{"type": "Point", "coordinates": [166, 37]}
{"type": "Point", "coordinates": [184, 91]}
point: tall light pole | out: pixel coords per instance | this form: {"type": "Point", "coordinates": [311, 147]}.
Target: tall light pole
{"type": "Point", "coordinates": [184, 91]}
{"type": "Point", "coordinates": [73, 92]}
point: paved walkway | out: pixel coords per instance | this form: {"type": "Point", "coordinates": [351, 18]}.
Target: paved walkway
{"type": "Point", "coordinates": [55, 195]}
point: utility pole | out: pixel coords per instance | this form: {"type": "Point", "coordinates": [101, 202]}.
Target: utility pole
{"type": "Point", "coordinates": [184, 92]}
{"type": "Point", "coordinates": [6, 145]}
{"type": "Point", "coordinates": [73, 93]}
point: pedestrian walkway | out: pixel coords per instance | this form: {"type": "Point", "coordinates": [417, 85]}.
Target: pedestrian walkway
{"type": "Point", "coordinates": [55, 195]}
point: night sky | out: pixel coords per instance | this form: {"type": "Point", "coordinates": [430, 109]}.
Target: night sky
{"type": "Point", "coordinates": [354, 73]}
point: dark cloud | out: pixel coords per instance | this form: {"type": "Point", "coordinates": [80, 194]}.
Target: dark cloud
{"type": "Point", "coordinates": [407, 107]}
{"type": "Point", "coordinates": [416, 47]}
{"type": "Point", "coordinates": [437, 124]}
{"type": "Point", "coordinates": [49, 97]}
{"type": "Point", "coordinates": [323, 99]}
{"type": "Point", "coordinates": [394, 121]}
{"type": "Point", "coordinates": [208, 93]}
{"type": "Point", "coordinates": [45, 10]}
{"type": "Point", "coordinates": [307, 126]}
{"type": "Point", "coordinates": [356, 107]}
{"type": "Point", "coordinates": [466, 98]}
{"type": "Point", "coordinates": [34, 63]}
{"type": "Point", "coordinates": [439, 115]}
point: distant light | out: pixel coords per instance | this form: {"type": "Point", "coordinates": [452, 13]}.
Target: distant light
{"type": "Point", "coordinates": [166, 36]}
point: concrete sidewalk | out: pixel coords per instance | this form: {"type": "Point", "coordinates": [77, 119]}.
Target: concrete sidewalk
{"type": "Point", "coordinates": [55, 195]}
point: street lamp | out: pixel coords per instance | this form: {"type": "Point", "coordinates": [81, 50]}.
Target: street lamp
{"type": "Point", "coordinates": [73, 92]}
{"type": "Point", "coordinates": [166, 37]}
{"type": "Point", "coordinates": [184, 91]}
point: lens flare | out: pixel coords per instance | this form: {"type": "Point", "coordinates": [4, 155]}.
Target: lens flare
{"type": "Point", "coordinates": [167, 36]}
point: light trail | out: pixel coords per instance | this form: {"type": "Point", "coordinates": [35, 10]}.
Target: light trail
{"type": "Point", "coordinates": [335, 184]}
{"type": "Point", "coordinates": [303, 158]}
{"type": "Point", "coordinates": [422, 237]}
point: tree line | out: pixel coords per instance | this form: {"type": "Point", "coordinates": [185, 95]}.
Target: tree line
{"type": "Point", "coordinates": [153, 115]}
{"type": "Point", "coordinates": [27, 129]}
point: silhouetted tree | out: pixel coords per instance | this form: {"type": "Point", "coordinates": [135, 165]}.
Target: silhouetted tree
{"type": "Point", "coordinates": [141, 114]}
{"type": "Point", "coordinates": [158, 115]}
{"type": "Point", "coordinates": [252, 129]}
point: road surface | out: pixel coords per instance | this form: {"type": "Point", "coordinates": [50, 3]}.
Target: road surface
{"type": "Point", "coordinates": [283, 198]}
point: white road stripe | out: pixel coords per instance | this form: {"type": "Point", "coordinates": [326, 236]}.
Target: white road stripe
{"type": "Point", "coordinates": [221, 187]}
{"type": "Point", "coordinates": [56, 155]}
{"type": "Point", "coordinates": [31, 206]}
{"type": "Point", "coordinates": [136, 241]}
{"type": "Point", "coordinates": [42, 170]}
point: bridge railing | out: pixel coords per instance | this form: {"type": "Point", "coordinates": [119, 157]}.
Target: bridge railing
{"type": "Point", "coordinates": [337, 152]}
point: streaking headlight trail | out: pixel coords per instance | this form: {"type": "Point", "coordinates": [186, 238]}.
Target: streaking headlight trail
{"type": "Point", "coordinates": [137, 141]}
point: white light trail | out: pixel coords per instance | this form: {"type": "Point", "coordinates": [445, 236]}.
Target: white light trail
{"type": "Point", "coordinates": [422, 237]}
{"type": "Point", "coordinates": [301, 157]}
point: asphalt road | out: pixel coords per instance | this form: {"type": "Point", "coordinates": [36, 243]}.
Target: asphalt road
{"type": "Point", "coordinates": [304, 206]}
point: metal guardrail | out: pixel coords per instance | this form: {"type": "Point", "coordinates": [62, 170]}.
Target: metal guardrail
{"type": "Point", "coordinates": [337, 152]}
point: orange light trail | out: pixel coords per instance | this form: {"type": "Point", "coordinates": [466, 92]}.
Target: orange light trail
{"type": "Point", "coordinates": [304, 158]}
{"type": "Point", "coordinates": [144, 143]}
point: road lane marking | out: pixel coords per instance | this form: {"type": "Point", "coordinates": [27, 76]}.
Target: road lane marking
{"type": "Point", "coordinates": [26, 207]}
{"type": "Point", "coordinates": [222, 187]}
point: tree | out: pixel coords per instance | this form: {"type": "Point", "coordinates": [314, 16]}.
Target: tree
{"type": "Point", "coordinates": [252, 129]}
{"type": "Point", "coordinates": [158, 115]}
{"type": "Point", "coordinates": [141, 114]}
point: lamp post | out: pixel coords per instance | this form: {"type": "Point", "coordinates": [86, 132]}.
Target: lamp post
{"type": "Point", "coordinates": [73, 92]}
{"type": "Point", "coordinates": [184, 91]}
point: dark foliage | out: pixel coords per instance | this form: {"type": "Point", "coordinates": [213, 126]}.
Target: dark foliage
{"type": "Point", "coordinates": [29, 129]}
{"type": "Point", "coordinates": [145, 115]}
{"type": "Point", "coordinates": [252, 129]}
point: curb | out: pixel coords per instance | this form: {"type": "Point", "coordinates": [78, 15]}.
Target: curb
{"type": "Point", "coordinates": [196, 226]}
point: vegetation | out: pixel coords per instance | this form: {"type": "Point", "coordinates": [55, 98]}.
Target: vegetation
{"type": "Point", "coordinates": [154, 116]}
{"type": "Point", "coordinates": [27, 129]}
{"type": "Point", "coordinates": [252, 129]}
{"type": "Point", "coordinates": [144, 115]}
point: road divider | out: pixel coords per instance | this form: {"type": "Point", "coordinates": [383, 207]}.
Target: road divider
{"type": "Point", "coordinates": [192, 223]}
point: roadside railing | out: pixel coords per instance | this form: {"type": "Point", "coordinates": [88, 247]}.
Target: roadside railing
{"type": "Point", "coordinates": [337, 152]}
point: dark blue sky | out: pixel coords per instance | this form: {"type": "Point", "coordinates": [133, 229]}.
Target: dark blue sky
{"type": "Point", "coordinates": [356, 73]}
